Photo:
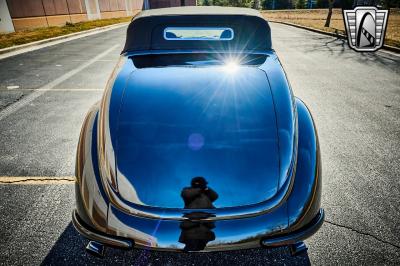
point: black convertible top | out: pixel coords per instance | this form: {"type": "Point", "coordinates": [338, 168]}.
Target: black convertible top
{"type": "Point", "coordinates": [146, 31]}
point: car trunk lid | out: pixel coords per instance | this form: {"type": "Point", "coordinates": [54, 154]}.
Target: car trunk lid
{"type": "Point", "coordinates": [179, 123]}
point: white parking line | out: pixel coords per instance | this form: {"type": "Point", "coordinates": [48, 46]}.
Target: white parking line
{"type": "Point", "coordinates": [36, 180]}
{"type": "Point", "coordinates": [28, 99]}
{"type": "Point", "coordinates": [69, 90]}
{"type": "Point", "coordinates": [12, 87]}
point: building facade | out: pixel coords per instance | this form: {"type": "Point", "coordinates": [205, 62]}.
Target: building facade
{"type": "Point", "coordinates": [18, 15]}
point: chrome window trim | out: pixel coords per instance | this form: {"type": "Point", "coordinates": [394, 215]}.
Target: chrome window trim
{"type": "Point", "coordinates": [199, 39]}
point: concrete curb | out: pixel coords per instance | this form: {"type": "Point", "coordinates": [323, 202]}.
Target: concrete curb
{"type": "Point", "coordinates": [333, 34]}
{"type": "Point", "coordinates": [65, 38]}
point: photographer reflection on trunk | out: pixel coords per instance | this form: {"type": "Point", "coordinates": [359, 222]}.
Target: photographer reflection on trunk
{"type": "Point", "coordinates": [195, 232]}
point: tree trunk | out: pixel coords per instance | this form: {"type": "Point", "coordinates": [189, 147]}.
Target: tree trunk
{"type": "Point", "coordinates": [256, 4]}
{"type": "Point", "coordinates": [328, 18]}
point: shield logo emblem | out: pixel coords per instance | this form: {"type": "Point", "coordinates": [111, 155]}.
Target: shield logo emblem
{"type": "Point", "coordinates": [365, 27]}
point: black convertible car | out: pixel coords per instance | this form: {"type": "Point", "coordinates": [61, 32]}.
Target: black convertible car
{"type": "Point", "coordinates": [198, 143]}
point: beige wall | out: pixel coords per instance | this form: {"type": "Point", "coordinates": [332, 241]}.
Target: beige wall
{"type": "Point", "coordinates": [113, 14]}
{"type": "Point", "coordinates": [28, 14]}
{"type": "Point", "coordinates": [6, 24]}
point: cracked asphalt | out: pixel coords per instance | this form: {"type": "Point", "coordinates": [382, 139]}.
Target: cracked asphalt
{"type": "Point", "coordinates": [355, 100]}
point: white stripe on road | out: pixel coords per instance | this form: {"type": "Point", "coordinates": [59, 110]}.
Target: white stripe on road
{"type": "Point", "coordinates": [28, 99]}
{"type": "Point", "coordinates": [36, 180]}
{"type": "Point", "coordinates": [69, 90]}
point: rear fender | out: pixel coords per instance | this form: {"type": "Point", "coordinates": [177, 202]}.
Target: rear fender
{"type": "Point", "coordinates": [304, 202]}
{"type": "Point", "coordinates": [91, 200]}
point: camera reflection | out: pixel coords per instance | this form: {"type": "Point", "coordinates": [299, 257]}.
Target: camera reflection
{"type": "Point", "coordinates": [196, 232]}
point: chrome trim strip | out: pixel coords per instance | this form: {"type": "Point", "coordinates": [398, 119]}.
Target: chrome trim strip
{"type": "Point", "coordinates": [200, 51]}
{"type": "Point", "coordinates": [296, 236]}
{"type": "Point", "coordinates": [97, 236]}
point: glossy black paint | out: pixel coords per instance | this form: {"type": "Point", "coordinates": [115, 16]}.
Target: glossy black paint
{"type": "Point", "coordinates": [197, 122]}
{"type": "Point", "coordinates": [232, 233]}
{"type": "Point", "coordinates": [199, 157]}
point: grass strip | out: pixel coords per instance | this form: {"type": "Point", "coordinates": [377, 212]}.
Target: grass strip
{"type": "Point", "coordinates": [27, 36]}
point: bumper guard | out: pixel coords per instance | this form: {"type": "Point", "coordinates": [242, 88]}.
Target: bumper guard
{"type": "Point", "coordinates": [100, 237]}
{"type": "Point", "coordinates": [296, 236]}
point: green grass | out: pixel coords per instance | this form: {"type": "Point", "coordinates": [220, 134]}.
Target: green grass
{"type": "Point", "coordinates": [27, 36]}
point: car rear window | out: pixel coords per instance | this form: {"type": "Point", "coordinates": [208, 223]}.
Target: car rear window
{"type": "Point", "coordinates": [196, 59]}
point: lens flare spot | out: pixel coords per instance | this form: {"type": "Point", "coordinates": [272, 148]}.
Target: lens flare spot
{"type": "Point", "coordinates": [195, 141]}
{"type": "Point", "coordinates": [231, 66]}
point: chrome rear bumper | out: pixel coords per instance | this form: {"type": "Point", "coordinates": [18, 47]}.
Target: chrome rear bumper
{"type": "Point", "coordinates": [296, 236]}
{"type": "Point", "coordinates": [273, 241]}
{"type": "Point", "coordinates": [100, 237]}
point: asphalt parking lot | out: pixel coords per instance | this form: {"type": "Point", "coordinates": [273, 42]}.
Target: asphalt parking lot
{"type": "Point", "coordinates": [355, 100]}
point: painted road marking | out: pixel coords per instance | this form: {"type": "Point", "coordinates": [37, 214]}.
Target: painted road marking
{"type": "Point", "coordinates": [28, 99]}
{"type": "Point", "coordinates": [85, 89]}
{"type": "Point", "coordinates": [12, 87]}
{"type": "Point", "coordinates": [36, 180]}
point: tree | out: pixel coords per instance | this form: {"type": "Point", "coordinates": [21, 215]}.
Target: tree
{"type": "Point", "coordinates": [345, 4]}
{"type": "Point", "coordinates": [386, 4]}
{"type": "Point", "coordinates": [328, 18]}
{"type": "Point", "coordinates": [283, 4]}
{"type": "Point", "coordinates": [266, 4]}
{"type": "Point", "coordinates": [256, 4]}
{"type": "Point", "coordinates": [220, 3]}
{"type": "Point", "coordinates": [322, 3]}
{"type": "Point", "coordinates": [236, 3]}
{"type": "Point", "coordinates": [300, 4]}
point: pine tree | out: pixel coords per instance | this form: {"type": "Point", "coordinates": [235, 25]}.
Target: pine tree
{"type": "Point", "coordinates": [300, 4]}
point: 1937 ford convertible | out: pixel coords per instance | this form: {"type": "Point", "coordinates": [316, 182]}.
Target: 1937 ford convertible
{"type": "Point", "coordinates": [198, 143]}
